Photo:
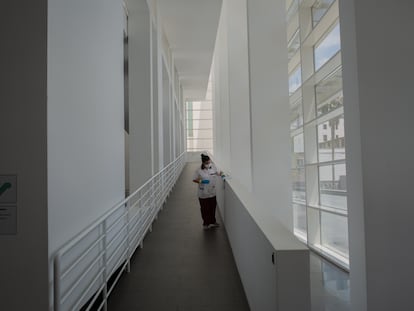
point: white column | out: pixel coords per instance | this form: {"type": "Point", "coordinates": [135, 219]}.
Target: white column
{"type": "Point", "coordinates": [153, 87]}
{"type": "Point", "coordinates": [238, 92]}
{"type": "Point", "coordinates": [174, 107]}
{"type": "Point", "coordinates": [377, 82]}
{"type": "Point", "coordinates": [221, 97]}
{"type": "Point", "coordinates": [140, 141]}
{"type": "Point", "coordinates": [160, 93]}
{"type": "Point", "coordinates": [269, 104]}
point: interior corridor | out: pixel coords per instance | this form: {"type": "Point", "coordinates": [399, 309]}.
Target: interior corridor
{"type": "Point", "coordinates": [185, 268]}
{"type": "Point", "coordinates": [181, 267]}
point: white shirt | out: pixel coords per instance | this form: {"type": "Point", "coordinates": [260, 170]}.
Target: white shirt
{"type": "Point", "coordinates": [210, 173]}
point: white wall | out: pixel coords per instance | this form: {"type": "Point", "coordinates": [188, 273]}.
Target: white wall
{"type": "Point", "coordinates": [269, 102]}
{"type": "Point", "coordinates": [250, 89]}
{"type": "Point", "coordinates": [253, 144]}
{"type": "Point", "coordinates": [238, 91]}
{"type": "Point", "coordinates": [23, 62]}
{"type": "Point", "coordinates": [154, 99]}
{"type": "Point", "coordinates": [160, 80]}
{"type": "Point", "coordinates": [166, 111]}
{"type": "Point", "coordinates": [139, 93]}
{"type": "Point", "coordinates": [221, 107]}
{"type": "Point", "coordinates": [378, 127]}
{"type": "Point", "coordinates": [85, 114]}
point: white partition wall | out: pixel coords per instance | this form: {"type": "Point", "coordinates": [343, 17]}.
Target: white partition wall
{"type": "Point", "coordinates": [253, 90]}
{"type": "Point", "coordinates": [252, 144]}
{"type": "Point", "coordinates": [269, 108]}
{"type": "Point", "coordinates": [273, 264]}
{"type": "Point", "coordinates": [220, 94]}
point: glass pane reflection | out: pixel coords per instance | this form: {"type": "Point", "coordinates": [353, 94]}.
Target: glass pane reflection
{"type": "Point", "coordinates": [299, 219]}
{"type": "Point", "coordinates": [295, 80]}
{"type": "Point", "coordinates": [334, 233]}
{"type": "Point", "coordinates": [327, 48]}
{"type": "Point", "coordinates": [319, 10]}
{"type": "Point", "coordinates": [328, 93]}
{"type": "Point", "coordinates": [298, 185]}
{"type": "Point", "coordinates": [339, 138]}
{"type": "Point", "coordinates": [325, 141]}
{"type": "Point", "coordinates": [332, 186]}
{"type": "Point", "coordinates": [296, 116]}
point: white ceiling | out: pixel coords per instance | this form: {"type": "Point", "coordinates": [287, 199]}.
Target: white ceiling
{"type": "Point", "coordinates": [191, 28]}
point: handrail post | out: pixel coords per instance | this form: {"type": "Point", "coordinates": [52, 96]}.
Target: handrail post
{"type": "Point", "coordinates": [56, 283]}
{"type": "Point", "coordinates": [128, 254]}
{"type": "Point", "coordinates": [105, 264]}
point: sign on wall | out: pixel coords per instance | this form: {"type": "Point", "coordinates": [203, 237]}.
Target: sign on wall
{"type": "Point", "coordinates": [8, 204]}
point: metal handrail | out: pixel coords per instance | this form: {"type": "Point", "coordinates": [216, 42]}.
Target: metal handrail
{"type": "Point", "coordinates": [78, 279]}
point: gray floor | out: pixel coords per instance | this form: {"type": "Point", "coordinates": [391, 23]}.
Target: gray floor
{"type": "Point", "coordinates": [181, 267]}
{"type": "Point", "coordinates": [185, 268]}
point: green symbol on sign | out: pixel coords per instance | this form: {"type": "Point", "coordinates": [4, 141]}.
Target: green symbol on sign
{"type": "Point", "coordinates": [4, 187]}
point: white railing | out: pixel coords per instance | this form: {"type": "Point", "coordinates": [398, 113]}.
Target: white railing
{"type": "Point", "coordinates": [88, 267]}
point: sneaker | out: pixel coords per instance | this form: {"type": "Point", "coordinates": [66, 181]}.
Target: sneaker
{"type": "Point", "coordinates": [206, 227]}
{"type": "Point", "coordinates": [213, 225]}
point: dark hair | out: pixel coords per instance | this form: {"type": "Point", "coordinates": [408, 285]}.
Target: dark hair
{"type": "Point", "coordinates": [204, 158]}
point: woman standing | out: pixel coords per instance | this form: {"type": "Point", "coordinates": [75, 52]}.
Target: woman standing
{"type": "Point", "coordinates": [205, 177]}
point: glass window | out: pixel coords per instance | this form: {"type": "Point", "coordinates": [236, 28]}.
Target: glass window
{"type": "Point", "coordinates": [293, 45]}
{"type": "Point", "coordinates": [334, 233]}
{"type": "Point", "coordinates": [328, 47]}
{"type": "Point", "coordinates": [319, 189]}
{"type": "Point", "coordinates": [340, 177]}
{"type": "Point", "coordinates": [190, 119]}
{"type": "Point", "coordinates": [202, 124]}
{"type": "Point", "coordinates": [299, 220]}
{"type": "Point", "coordinates": [332, 186]}
{"type": "Point", "coordinates": [295, 80]}
{"type": "Point", "coordinates": [298, 170]}
{"type": "Point", "coordinates": [296, 115]}
{"type": "Point", "coordinates": [298, 185]}
{"type": "Point", "coordinates": [319, 9]}
{"type": "Point", "coordinates": [331, 140]}
{"type": "Point", "coordinates": [199, 126]}
{"type": "Point", "coordinates": [292, 10]}
{"type": "Point", "coordinates": [204, 105]}
{"type": "Point", "coordinates": [339, 142]}
{"type": "Point", "coordinates": [328, 93]}
{"type": "Point", "coordinates": [298, 149]}
{"type": "Point", "coordinates": [202, 114]}
{"type": "Point", "coordinates": [202, 133]}
{"type": "Point", "coordinates": [325, 177]}
{"type": "Point", "coordinates": [325, 142]}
